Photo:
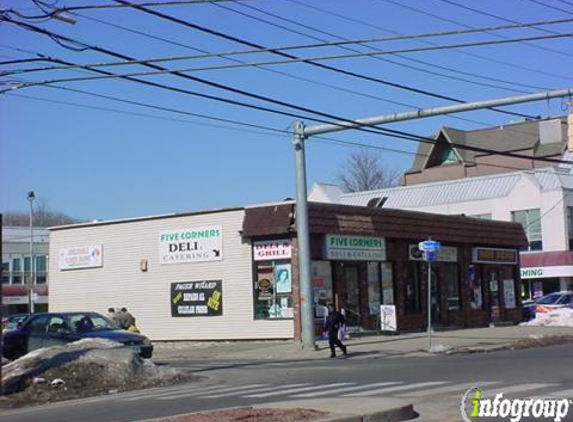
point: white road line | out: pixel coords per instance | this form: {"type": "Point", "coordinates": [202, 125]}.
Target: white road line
{"type": "Point", "coordinates": [344, 389]}
{"type": "Point", "coordinates": [252, 390]}
{"type": "Point", "coordinates": [392, 389]}
{"type": "Point", "coordinates": [227, 389]}
{"type": "Point", "coordinates": [563, 394]}
{"type": "Point", "coordinates": [151, 394]}
{"type": "Point", "coordinates": [280, 391]}
{"type": "Point", "coordinates": [461, 388]}
{"type": "Point", "coordinates": [515, 389]}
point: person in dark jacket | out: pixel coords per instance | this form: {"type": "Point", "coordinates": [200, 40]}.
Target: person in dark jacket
{"type": "Point", "coordinates": [334, 321]}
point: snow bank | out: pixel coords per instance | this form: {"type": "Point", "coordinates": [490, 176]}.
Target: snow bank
{"type": "Point", "coordinates": [440, 348]}
{"type": "Point", "coordinates": [562, 317]}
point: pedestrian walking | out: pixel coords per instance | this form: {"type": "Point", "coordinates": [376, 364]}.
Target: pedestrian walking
{"type": "Point", "coordinates": [127, 320]}
{"type": "Point", "coordinates": [334, 321]}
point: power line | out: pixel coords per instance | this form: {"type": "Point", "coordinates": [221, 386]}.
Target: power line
{"type": "Point", "coordinates": [416, 60]}
{"type": "Point", "coordinates": [386, 60]}
{"type": "Point", "coordinates": [372, 129]}
{"type": "Point", "coordinates": [324, 43]}
{"type": "Point", "coordinates": [549, 6]}
{"type": "Point", "coordinates": [481, 12]}
{"type": "Point", "coordinates": [276, 62]}
{"type": "Point", "coordinates": [320, 65]}
{"type": "Point", "coordinates": [441, 18]}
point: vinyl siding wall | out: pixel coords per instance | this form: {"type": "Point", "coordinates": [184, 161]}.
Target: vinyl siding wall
{"type": "Point", "coordinates": [120, 282]}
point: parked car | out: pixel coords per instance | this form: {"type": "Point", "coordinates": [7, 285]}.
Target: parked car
{"type": "Point", "coordinates": [58, 328]}
{"type": "Point", "coordinates": [13, 321]}
{"type": "Point", "coordinates": [553, 301]}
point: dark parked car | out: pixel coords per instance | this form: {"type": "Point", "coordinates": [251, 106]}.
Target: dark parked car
{"type": "Point", "coordinates": [14, 321]}
{"type": "Point", "coordinates": [58, 328]}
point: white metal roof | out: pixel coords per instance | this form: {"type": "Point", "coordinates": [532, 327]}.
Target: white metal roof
{"type": "Point", "coordinates": [459, 190]}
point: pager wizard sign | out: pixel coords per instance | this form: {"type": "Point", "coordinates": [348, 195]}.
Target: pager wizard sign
{"type": "Point", "coordinates": [197, 298]}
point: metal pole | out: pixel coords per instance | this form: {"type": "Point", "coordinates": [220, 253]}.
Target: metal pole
{"type": "Point", "coordinates": [417, 114]}
{"type": "Point", "coordinates": [31, 198]}
{"type": "Point", "coordinates": [303, 236]}
{"type": "Point", "coordinates": [429, 305]}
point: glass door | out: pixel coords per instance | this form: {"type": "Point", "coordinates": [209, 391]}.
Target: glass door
{"type": "Point", "coordinates": [352, 299]}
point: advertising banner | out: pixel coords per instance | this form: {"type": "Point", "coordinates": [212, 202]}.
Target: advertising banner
{"type": "Point", "coordinates": [81, 257]}
{"type": "Point", "coordinates": [283, 278]}
{"type": "Point", "coordinates": [199, 244]}
{"type": "Point", "coordinates": [268, 250]}
{"type": "Point", "coordinates": [509, 294]}
{"type": "Point", "coordinates": [388, 318]}
{"type": "Point", "coordinates": [494, 256]}
{"type": "Point", "coordinates": [355, 248]}
{"type": "Point", "coordinates": [197, 298]}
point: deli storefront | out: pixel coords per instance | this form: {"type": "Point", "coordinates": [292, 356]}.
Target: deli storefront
{"type": "Point", "coordinates": [366, 261]}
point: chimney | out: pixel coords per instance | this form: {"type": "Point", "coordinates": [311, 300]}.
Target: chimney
{"type": "Point", "coordinates": [570, 131]}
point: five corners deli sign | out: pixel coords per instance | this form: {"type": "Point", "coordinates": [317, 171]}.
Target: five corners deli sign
{"type": "Point", "coordinates": [267, 250]}
{"type": "Point", "coordinates": [81, 257]}
{"type": "Point", "coordinates": [197, 298]}
{"type": "Point", "coordinates": [198, 244]}
{"type": "Point", "coordinates": [355, 248]}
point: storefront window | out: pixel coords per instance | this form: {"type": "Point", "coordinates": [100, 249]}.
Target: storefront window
{"type": "Point", "coordinates": [570, 226]}
{"type": "Point", "coordinates": [412, 288]}
{"type": "Point", "coordinates": [374, 288]}
{"type": "Point", "coordinates": [5, 272]}
{"type": "Point", "coordinates": [321, 287]}
{"type": "Point", "coordinates": [387, 284]}
{"type": "Point", "coordinates": [453, 286]}
{"type": "Point", "coordinates": [475, 287]}
{"type": "Point", "coordinates": [273, 290]}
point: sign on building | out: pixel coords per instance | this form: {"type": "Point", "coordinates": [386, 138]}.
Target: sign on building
{"type": "Point", "coordinates": [268, 250]}
{"type": "Point", "coordinates": [355, 248]}
{"type": "Point", "coordinates": [81, 257]}
{"type": "Point", "coordinates": [388, 318]}
{"type": "Point", "coordinates": [199, 244]}
{"type": "Point", "coordinates": [494, 256]}
{"type": "Point", "coordinates": [197, 298]}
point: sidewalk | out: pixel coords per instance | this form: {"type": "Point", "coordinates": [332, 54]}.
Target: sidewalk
{"type": "Point", "coordinates": [415, 344]}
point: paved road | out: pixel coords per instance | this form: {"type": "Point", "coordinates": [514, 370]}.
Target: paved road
{"type": "Point", "coordinates": [434, 384]}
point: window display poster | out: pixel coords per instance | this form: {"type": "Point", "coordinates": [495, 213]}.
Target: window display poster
{"type": "Point", "coordinates": [283, 278]}
{"type": "Point", "coordinates": [537, 289]}
{"type": "Point", "coordinates": [474, 284]}
{"type": "Point", "coordinates": [197, 298]}
{"type": "Point", "coordinates": [509, 294]}
{"type": "Point", "coordinates": [388, 318]}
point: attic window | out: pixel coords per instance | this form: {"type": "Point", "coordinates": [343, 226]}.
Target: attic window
{"type": "Point", "coordinates": [377, 202]}
{"type": "Point", "coordinates": [448, 156]}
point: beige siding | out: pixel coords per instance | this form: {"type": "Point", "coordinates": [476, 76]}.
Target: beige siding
{"type": "Point", "coordinates": [147, 294]}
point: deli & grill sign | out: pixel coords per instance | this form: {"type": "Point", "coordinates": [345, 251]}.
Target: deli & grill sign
{"type": "Point", "coordinates": [355, 248]}
{"type": "Point", "coordinates": [197, 298]}
{"type": "Point", "coordinates": [494, 256]}
{"type": "Point", "coordinates": [267, 250]}
{"type": "Point", "coordinates": [198, 244]}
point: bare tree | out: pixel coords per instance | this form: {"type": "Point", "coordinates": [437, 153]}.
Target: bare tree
{"type": "Point", "coordinates": [364, 171]}
{"type": "Point", "coordinates": [43, 217]}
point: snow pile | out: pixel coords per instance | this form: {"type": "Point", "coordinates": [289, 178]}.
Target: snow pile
{"type": "Point", "coordinates": [562, 317]}
{"type": "Point", "coordinates": [85, 366]}
{"type": "Point", "coordinates": [440, 348]}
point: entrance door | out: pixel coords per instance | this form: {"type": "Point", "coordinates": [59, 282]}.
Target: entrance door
{"type": "Point", "coordinates": [352, 300]}
{"type": "Point", "coordinates": [435, 297]}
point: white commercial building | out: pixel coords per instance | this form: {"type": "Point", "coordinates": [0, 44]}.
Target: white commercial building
{"type": "Point", "coordinates": [183, 276]}
{"type": "Point", "coordinates": [444, 180]}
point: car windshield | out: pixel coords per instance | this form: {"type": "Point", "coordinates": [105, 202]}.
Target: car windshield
{"type": "Point", "coordinates": [549, 299]}
{"type": "Point", "coordinates": [85, 323]}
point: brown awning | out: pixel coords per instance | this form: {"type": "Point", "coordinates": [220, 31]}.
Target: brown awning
{"type": "Point", "coordinates": [22, 290]}
{"type": "Point", "coordinates": [391, 223]}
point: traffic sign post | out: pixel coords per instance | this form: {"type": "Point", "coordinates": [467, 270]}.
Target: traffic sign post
{"type": "Point", "coordinates": [430, 249]}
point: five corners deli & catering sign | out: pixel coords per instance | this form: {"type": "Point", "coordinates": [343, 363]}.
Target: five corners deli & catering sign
{"type": "Point", "coordinates": [197, 298]}
{"type": "Point", "coordinates": [199, 244]}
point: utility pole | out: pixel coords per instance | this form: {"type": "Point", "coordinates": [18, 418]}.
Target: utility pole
{"type": "Point", "coordinates": [303, 240]}
{"type": "Point", "coordinates": [301, 133]}
{"type": "Point", "coordinates": [31, 197]}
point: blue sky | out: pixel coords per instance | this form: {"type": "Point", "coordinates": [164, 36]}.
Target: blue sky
{"type": "Point", "coordinates": [97, 164]}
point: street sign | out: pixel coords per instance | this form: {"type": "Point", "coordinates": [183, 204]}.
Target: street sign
{"type": "Point", "coordinates": [429, 245]}
{"type": "Point", "coordinates": [430, 256]}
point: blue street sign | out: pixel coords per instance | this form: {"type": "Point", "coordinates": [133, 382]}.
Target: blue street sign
{"type": "Point", "coordinates": [430, 256]}
{"type": "Point", "coordinates": [429, 245]}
